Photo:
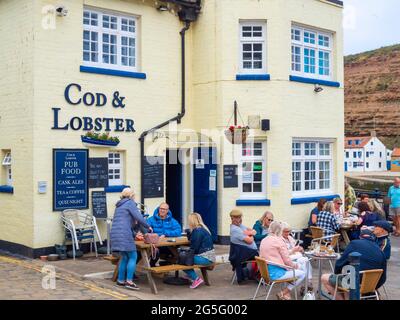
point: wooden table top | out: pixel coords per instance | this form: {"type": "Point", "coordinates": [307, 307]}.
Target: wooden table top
{"type": "Point", "coordinates": [166, 242]}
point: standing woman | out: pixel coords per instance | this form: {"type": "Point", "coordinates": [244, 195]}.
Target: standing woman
{"type": "Point", "coordinates": [125, 217]}
{"type": "Point", "coordinates": [202, 244]}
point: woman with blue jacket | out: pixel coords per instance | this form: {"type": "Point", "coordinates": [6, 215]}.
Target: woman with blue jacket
{"type": "Point", "coordinates": [202, 244]}
{"type": "Point", "coordinates": [126, 216]}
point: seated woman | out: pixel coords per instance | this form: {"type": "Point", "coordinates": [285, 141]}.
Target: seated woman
{"type": "Point", "coordinates": [274, 249]}
{"type": "Point", "coordinates": [312, 221]}
{"type": "Point", "coordinates": [377, 208]}
{"type": "Point", "coordinates": [296, 253]}
{"type": "Point", "coordinates": [202, 244]}
{"type": "Point", "coordinates": [261, 226]}
{"type": "Point", "coordinates": [367, 218]}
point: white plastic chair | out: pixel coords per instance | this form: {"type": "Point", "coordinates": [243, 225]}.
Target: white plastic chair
{"type": "Point", "coordinates": [80, 226]}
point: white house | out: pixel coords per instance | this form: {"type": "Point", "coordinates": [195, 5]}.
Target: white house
{"type": "Point", "coordinates": [364, 154]}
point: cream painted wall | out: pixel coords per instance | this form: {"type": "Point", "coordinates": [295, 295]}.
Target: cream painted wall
{"type": "Point", "coordinates": [16, 101]}
{"type": "Point", "coordinates": [293, 108]}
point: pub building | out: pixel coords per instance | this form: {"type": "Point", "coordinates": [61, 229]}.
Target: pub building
{"type": "Point", "coordinates": [96, 95]}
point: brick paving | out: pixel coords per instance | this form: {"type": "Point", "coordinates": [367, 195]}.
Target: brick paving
{"type": "Point", "coordinates": [22, 280]}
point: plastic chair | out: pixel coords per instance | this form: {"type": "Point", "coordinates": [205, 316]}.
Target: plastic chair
{"type": "Point", "coordinates": [266, 280]}
{"type": "Point", "coordinates": [80, 226]}
{"type": "Point", "coordinates": [368, 284]}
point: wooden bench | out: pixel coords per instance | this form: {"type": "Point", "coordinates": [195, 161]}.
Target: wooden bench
{"type": "Point", "coordinates": [179, 267]}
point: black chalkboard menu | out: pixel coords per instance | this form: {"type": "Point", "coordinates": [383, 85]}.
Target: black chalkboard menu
{"type": "Point", "coordinates": [99, 204]}
{"type": "Point", "coordinates": [230, 176]}
{"type": "Point", "coordinates": [98, 172]}
{"type": "Point", "coordinates": [153, 177]}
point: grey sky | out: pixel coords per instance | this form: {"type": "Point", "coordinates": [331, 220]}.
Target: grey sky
{"type": "Point", "coordinates": [370, 24]}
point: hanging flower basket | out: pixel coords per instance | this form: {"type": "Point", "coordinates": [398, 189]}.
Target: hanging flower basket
{"type": "Point", "coordinates": [100, 140]}
{"type": "Point", "coordinates": [237, 135]}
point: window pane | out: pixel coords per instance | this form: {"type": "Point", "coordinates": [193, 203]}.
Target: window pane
{"type": "Point", "coordinates": [257, 166]}
{"type": "Point", "coordinates": [257, 177]}
{"type": "Point", "coordinates": [257, 187]}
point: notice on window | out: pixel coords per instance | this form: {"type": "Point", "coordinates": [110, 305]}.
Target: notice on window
{"type": "Point", "coordinates": [247, 177]}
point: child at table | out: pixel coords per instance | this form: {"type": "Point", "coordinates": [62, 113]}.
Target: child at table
{"type": "Point", "coordinates": [202, 244]}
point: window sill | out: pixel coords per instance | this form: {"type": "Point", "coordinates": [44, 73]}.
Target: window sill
{"type": "Point", "coordinates": [115, 189]}
{"type": "Point", "coordinates": [111, 72]}
{"type": "Point", "coordinates": [250, 203]}
{"type": "Point", "coordinates": [244, 77]}
{"type": "Point", "coordinates": [6, 189]}
{"type": "Point", "coordinates": [305, 200]}
{"type": "Point", "coordinates": [315, 81]}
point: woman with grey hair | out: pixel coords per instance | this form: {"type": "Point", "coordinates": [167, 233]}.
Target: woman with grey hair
{"type": "Point", "coordinates": [274, 250]}
{"type": "Point", "coordinates": [327, 220]}
{"type": "Point", "coordinates": [122, 240]}
{"type": "Point", "coordinates": [296, 253]}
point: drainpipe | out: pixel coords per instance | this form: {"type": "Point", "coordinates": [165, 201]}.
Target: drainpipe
{"type": "Point", "coordinates": [177, 118]}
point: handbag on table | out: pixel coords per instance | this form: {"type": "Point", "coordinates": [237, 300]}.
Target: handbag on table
{"type": "Point", "coordinates": [152, 239]}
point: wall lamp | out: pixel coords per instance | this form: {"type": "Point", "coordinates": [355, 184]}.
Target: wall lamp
{"type": "Point", "coordinates": [318, 88]}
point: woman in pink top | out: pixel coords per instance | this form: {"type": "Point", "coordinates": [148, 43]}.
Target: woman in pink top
{"type": "Point", "coordinates": [273, 249]}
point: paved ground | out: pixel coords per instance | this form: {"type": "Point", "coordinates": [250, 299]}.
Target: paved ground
{"type": "Point", "coordinates": [22, 279]}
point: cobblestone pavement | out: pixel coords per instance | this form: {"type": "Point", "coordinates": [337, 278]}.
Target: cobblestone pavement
{"type": "Point", "coordinates": [24, 279]}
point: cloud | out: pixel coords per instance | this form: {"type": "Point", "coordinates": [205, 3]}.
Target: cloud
{"type": "Point", "coordinates": [370, 24]}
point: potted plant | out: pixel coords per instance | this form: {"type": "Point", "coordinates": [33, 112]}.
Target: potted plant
{"type": "Point", "coordinates": [100, 139]}
{"type": "Point", "coordinates": [237, 134]}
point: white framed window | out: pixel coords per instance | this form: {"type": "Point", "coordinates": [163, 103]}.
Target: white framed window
{"type": "Point", "coordinates": [253, 49]}
{"type": "Point", "coordinates": [109, 40]}
{"type": "Point", "coordinates": [312, 167]}
{"type": "Point", "coordinates": [115, 168]}
{"type": "Point", "coordinates": [312, 53]}
{"type": "Point", "coordinates": [252, 171]}
{"type": "Point", "coordinates": [7, 166]}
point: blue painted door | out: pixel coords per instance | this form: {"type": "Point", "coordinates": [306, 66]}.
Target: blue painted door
{"type": "Point", "coordinates": [345, 167]}
{"type": "Point", "coordinates": [205, 187]}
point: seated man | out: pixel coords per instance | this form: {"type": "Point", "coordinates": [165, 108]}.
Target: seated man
{"type": "Point", "coordinates": [371, 258]}
{"type": "Point", "coordinates": [381, 231]}
{"type": "Point", "coordinates": [164, 225]}
{"type": "Point", "coordinates": [243, 246]}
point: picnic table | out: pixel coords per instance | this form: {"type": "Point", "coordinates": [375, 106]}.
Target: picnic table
{"type": "Point", "coordinates": [172, 244]}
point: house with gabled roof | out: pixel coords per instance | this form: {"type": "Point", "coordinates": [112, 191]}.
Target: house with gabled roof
{"type": "Point", "coordinates": [364, 154]}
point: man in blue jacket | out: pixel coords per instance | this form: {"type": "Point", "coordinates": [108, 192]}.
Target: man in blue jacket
{"type": "Point", "coordinates": [164, 225]}
{"type": "Point", "coordinates": [371, 258]}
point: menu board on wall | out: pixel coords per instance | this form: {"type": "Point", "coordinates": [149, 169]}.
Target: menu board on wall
{"type": "Point", "coordinates": [230, 176]}
{"type": "Point", "coordinates": [98, 172]}
{"type": "Point", "coordinates": [153, 177]}
{"type": "Point", "coordinates": [99, 204]}
{"type": "Point", "coordinates": [70, 179]}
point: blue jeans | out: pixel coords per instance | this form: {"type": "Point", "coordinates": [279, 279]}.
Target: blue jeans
{"type": "Point", "coordinates": [200, 261]}
{"type": "Point", "coordinates": [127, 266]}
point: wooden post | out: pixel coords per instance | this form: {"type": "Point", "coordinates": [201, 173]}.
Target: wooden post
{"type": "Point", "coordinates": [235, 113]}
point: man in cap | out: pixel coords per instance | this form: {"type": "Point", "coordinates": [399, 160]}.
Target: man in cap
{"type": "Point", "coordinates": [371, 258]}
{"type": "Point", "coordinates": [381, 231]}
{"type": "Point", "coordinates": [243, 246]}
